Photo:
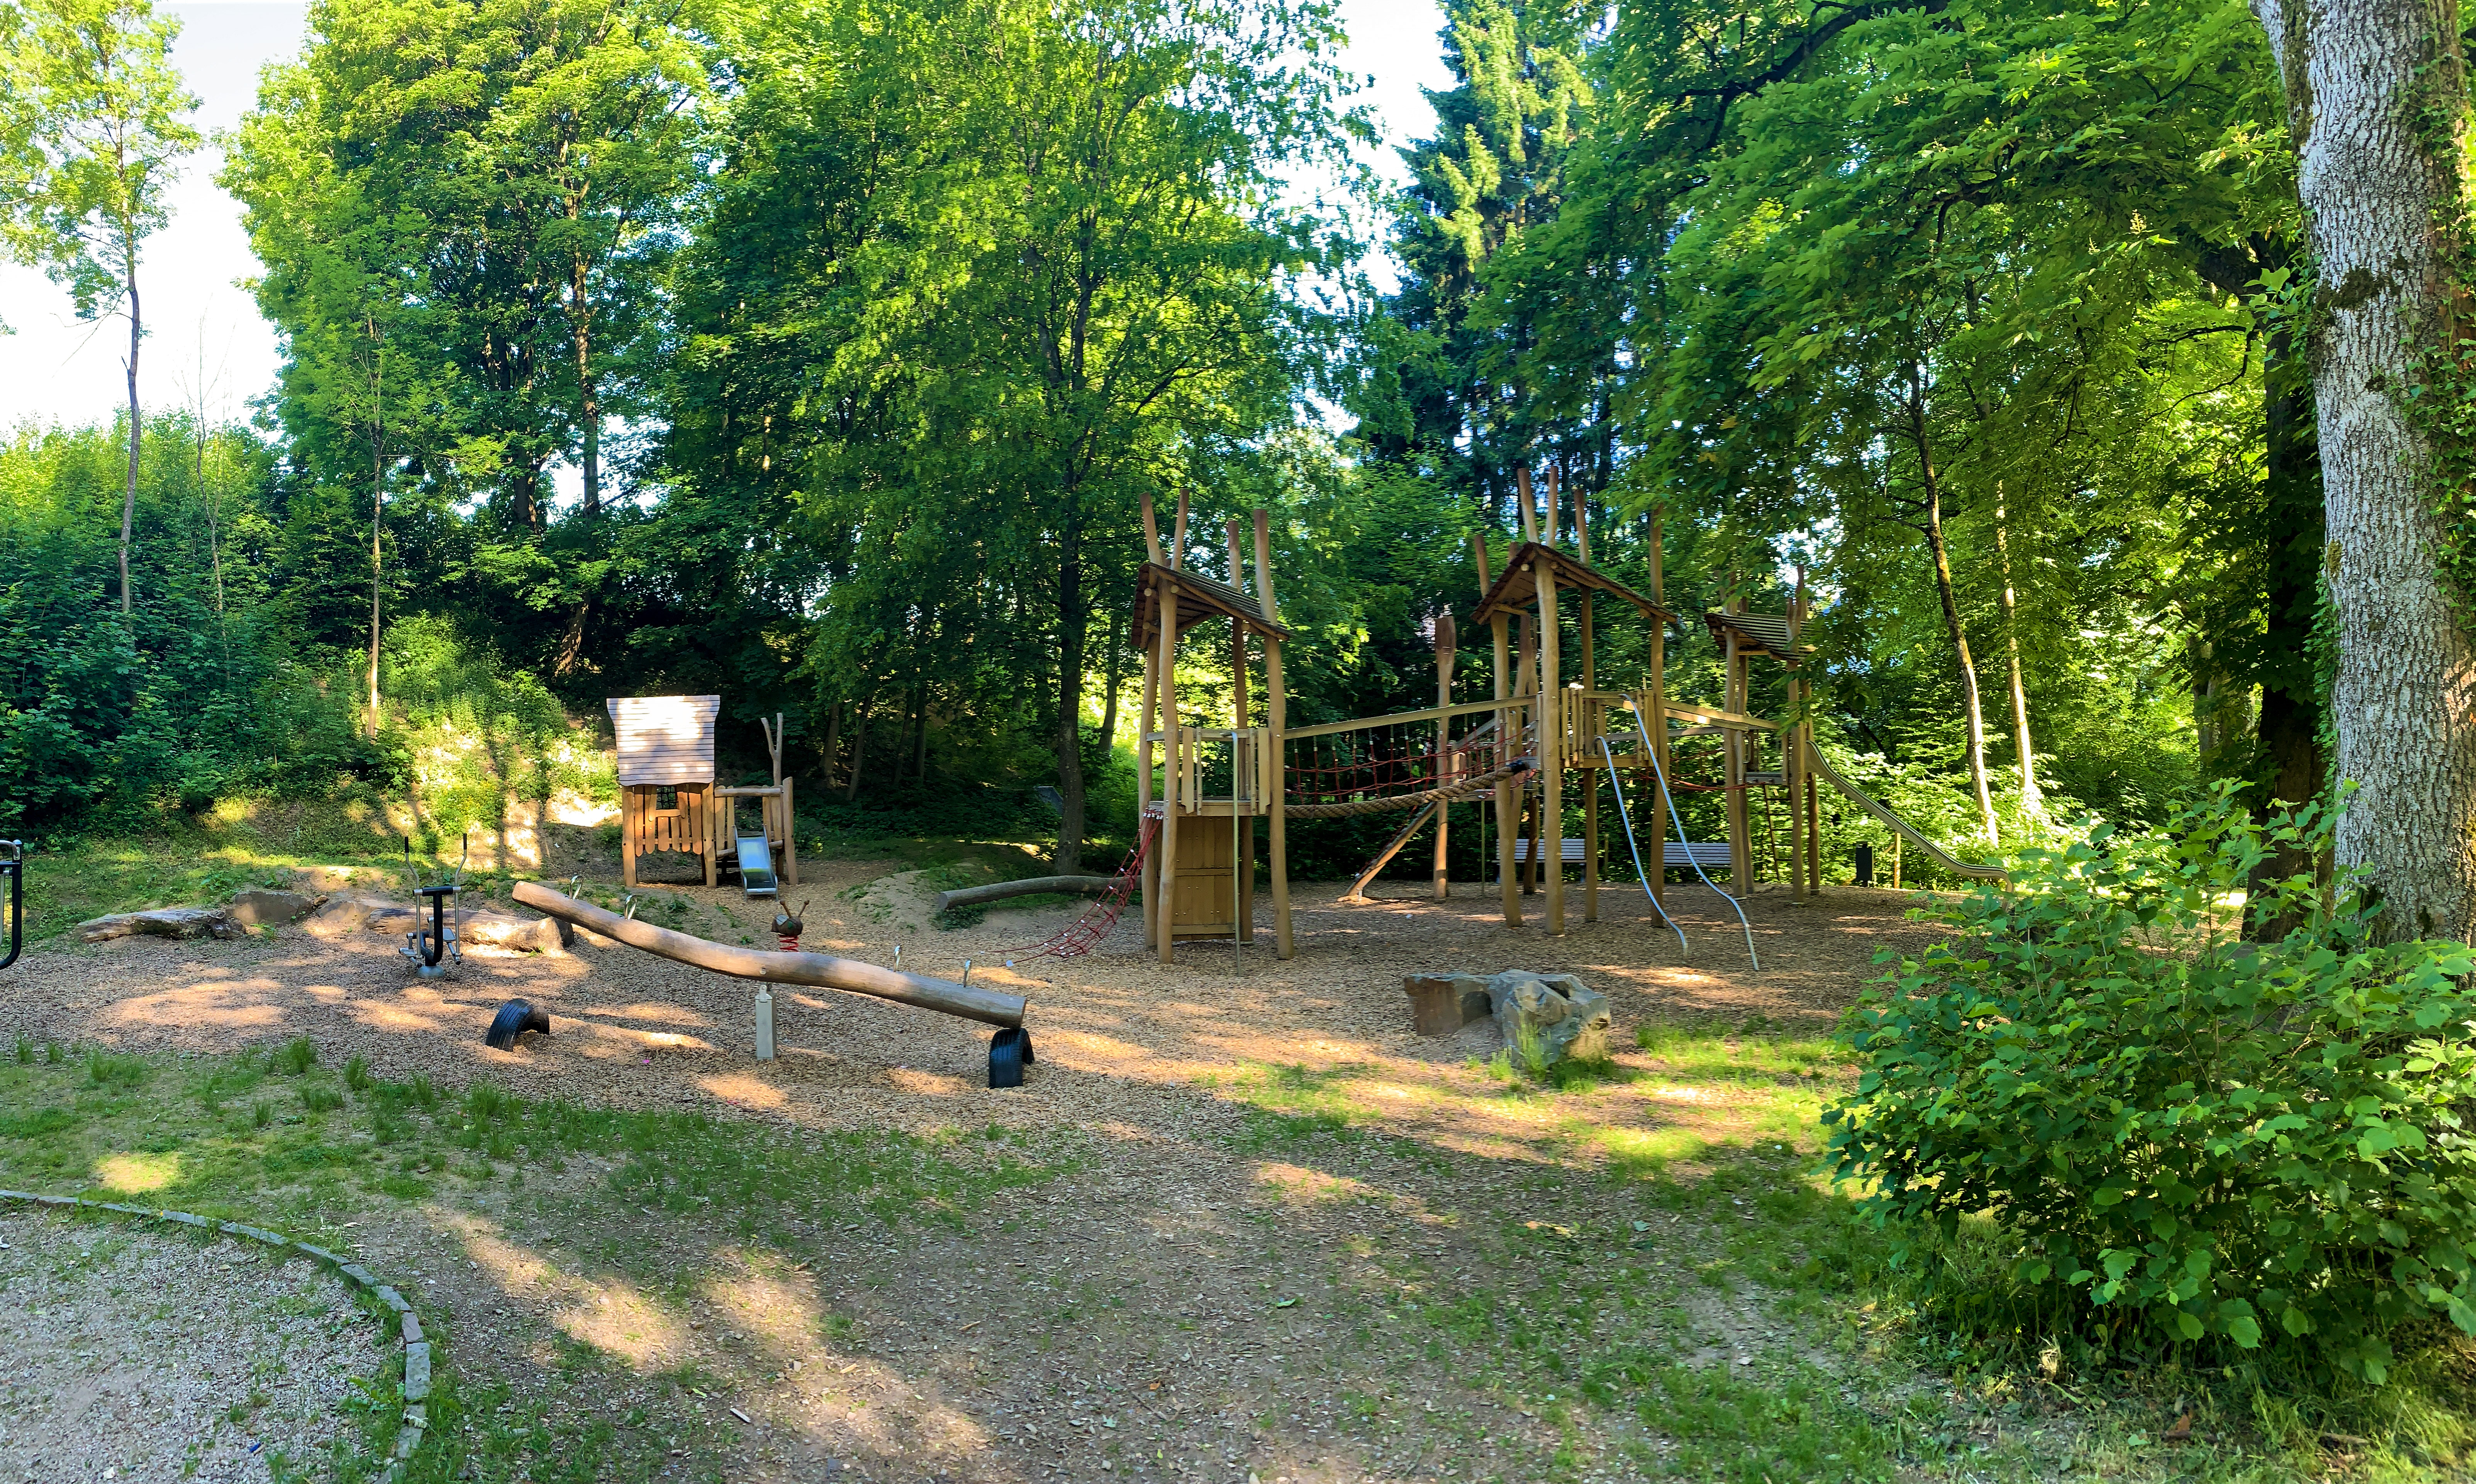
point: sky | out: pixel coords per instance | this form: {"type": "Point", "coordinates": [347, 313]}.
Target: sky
{"type": "Point", "coordinates": [203, 328]}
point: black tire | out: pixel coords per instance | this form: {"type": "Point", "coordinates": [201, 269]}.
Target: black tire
{"type": "Point", "coordinates": [515, 1018]}
{"type": "Point", "coordinates": [1009, 1052]}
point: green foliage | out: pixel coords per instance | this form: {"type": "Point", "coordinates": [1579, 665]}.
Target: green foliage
{"type": "Point", "coordinates": [2253, 1142]}
{"type": "Point", "coordinates": [91, 133]}
{"type": "Point", "coordinates": [295, 1057]}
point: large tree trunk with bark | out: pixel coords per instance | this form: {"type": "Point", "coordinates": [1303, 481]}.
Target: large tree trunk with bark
{"type": "Point", "coordinates": [2376, 190]}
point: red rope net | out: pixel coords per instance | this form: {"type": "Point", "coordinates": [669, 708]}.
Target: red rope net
{"type": "Point", "coordinates": [1354, 764]}
{"type": "Point", "coordinates": [1100, 919]}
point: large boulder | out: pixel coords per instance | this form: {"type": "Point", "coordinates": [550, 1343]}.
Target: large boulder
{"type": "Point", "coordinates": [500, 929]}
{"type": "Point", "coordinates": [345, 915]}
{"type": "Point", "coordinates": [1442, 1004]}
{"type": "Point", "coordinates": [258, 907]}
{"type": "Point", "coordinates": [1549, 1018]}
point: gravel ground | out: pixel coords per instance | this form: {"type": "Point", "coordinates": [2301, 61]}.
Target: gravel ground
{"type": "Point", "coordinates": [1127, 1319]}
{"type": "Point", "coordinates": [633, 1030]}
{"type": "Point", "coordinates": [134, 1355]}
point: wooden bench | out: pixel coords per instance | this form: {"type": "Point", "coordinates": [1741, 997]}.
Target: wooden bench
{"type": "Point", "coordinates": [1705, 853]}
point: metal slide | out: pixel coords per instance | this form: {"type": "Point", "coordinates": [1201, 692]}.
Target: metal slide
{"type": "Point", "coordinates": [755, 864]}
{"type": "Point", "coordinates": [1865, 802]}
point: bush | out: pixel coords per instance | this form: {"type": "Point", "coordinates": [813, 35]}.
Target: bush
{"type": "Point", "coordinates": [2214, 1137]}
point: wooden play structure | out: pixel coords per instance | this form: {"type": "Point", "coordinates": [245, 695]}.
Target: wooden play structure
{"type": "Point", "coordinates": [1551, 732]}
{"type": "Point", "coordinates": [669, 802]}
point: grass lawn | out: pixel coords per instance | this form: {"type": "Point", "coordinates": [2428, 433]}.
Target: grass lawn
{"type": "Point", "coordinates": [1343, 1272]}
{"type": "Point", "coordinates": [1708, 1312]}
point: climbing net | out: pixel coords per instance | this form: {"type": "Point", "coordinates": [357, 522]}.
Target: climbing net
{"type": "Point", "coordinates": [1394, 767]}
{"type": "Point", "coordinates": [1100, 919]}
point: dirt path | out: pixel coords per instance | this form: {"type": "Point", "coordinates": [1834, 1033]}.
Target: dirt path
{"type": "Point", "coordinates": [1266, 1203]}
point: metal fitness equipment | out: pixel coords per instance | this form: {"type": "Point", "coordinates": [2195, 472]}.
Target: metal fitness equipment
{"type": "Point", "coordinates": [433, 947]}
{"type": "Point", "coordinates": [1642, 730]}
{"type": "Point", "coordinates": [13, 865]}
{"type": "Point", "coordinates": [1624, 816]}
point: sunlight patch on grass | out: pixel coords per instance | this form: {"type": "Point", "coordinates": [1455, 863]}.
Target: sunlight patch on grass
{"type": "Point", "coordinates": [134, 1175]}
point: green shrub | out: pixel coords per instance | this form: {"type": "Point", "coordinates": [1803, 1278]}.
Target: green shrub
{"type": "Point", "coordinates": [297, 1056]}
{"type": "Point", "coordinates": [2217, 1137]}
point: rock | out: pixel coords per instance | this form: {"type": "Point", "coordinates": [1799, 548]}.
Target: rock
{"type": "Point", "coordinates": [1548, 1019]}
{"type": "Point", "coordinates": [499, 929]}
{"type": "Point", "coordinates": [254, 908]}
{"type": "Point", "coordinates": [1442, 1004]}
{"type": "Point", "coordinates": [343, 915]}
{"type": "Point", "coordinates": [162, 923]}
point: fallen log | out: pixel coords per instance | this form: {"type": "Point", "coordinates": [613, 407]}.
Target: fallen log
{"type": "Point", "coordinates": [987, 1005]}
{"type": "Point", "coordinates": [162, 922]}
{"type": "Point", "coordinates": [1031, 886]}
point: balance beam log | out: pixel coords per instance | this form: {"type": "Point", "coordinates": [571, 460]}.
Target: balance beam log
{"type": "Point", "coordinates": [747, 963]}
{"type": "Point", "coordinates": [1030, 886]}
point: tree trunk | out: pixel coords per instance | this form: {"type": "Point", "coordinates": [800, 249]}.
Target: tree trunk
{"type": "Point", "coordinates": [378, 504]}
{"type": "Point", "coordinates": [920, 734]}
{"type": "Point", "coordinates": [833, 740]}
{"type": "Point", "coordinates": [2360, 78]}
{"type": "Point", "coordinates": [1941, 555]}
{"type": "Point", "coordinates": [589, 413]}
{"type": "Point", "coordinates": [2033, 800]}
{"type": "Point", "coordinates": [1117, 678]}
{"type": "Point", "coordinates": [860, 748]}
{"type": "Point", "coordinates": [129, 496]}
{"type": "Point", "coordinates": [1072, 623]}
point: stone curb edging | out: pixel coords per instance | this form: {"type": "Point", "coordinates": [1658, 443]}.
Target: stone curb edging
{"type": "Point", "coordinates": [415, 1391]}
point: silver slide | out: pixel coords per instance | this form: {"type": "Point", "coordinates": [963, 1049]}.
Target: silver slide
{"type": "Point", "coordinates": [1864, 801]}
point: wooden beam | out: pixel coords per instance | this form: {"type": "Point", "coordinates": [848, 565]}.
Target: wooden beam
{"type": "Point", "coordinates": [1447, 643]}
{"type": "Point", "coordinates": [1507, 741]}
{"type": "Point", "coordinates": [1152, 532]}
{"type": "Point", "coordinates": [1552, 746]}
{"type": "Point", "coordinates": [987, 1005]}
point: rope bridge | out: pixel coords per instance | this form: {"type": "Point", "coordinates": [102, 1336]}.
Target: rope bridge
{"type": "Point", "coordinates": [1367, 767]}
{"type": "Point", "coordinates": [1451, 792]}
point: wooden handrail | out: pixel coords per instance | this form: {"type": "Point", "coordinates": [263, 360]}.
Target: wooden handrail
{"type": "Point", "coordinates": [1404, 718]}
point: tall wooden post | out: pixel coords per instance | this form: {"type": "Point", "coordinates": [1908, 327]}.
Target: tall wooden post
{"type": "Point", "coordinates": [1445, 646]}
{"type": "Point", "coordinates": [1275, 717]}
{"type": "Point", "coordinates": [1793, 782]}
{"type": "Point", "coordinates": [1552, 750]}
{"type": "Point", "coordinates": [1590, 748]}
{"type": "Point", "coordinates": [1740, 846]}
{"type": "Point", "coordinates": [1657, 721]}
{"type": "Point", "coordinates": [1144, 729]}
{"type": "Point", "coordinates": [1166, 607]}
{"type": "Point", "coordinates": [1242, 827]}
{"type": "Point", "coordinates": [1507, 747]}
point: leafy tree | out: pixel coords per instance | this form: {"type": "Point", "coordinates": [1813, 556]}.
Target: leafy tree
{"type": "Point", "coordinates": [91, 110]}
{"type": "Point", "coordinates": [965, 328]}
{"type": "Point", "coordinates": [2378, 103]}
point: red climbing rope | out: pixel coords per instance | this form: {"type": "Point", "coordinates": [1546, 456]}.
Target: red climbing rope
{"type": "Point", "coordinates": [1349, 765]}
{"type": "Point", "coordinates": [1100, 919]}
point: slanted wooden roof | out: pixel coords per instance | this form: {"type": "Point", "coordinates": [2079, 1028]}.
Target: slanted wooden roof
{"type": "Point", "coordinates": [1515, 589]}
{"type": "Point", "coordinates": [1757, 634]}
{"type": "Point", "coordinates": [1198, 598]}
{"type": "Point", "coordinates": [664, 739]}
